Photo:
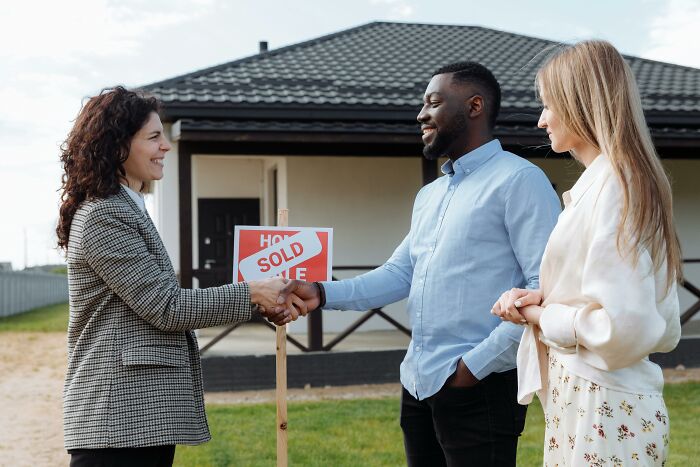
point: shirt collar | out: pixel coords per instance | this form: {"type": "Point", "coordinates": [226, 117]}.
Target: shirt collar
{"type": "Point", "coordinates": [596, 169]}
{"type": "Point", "coordinates": [473, 159]}
{"type": "Point", "coordinates": [137, 197]}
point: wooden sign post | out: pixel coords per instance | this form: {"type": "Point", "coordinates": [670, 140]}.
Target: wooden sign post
{"type": "Point", "coordinates": [281, 369]}
{"type": "Point", "coordinates": [303, 253]}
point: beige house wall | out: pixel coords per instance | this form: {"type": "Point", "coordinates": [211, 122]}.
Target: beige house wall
{"type": "Point", "coordinates": [367, 201]}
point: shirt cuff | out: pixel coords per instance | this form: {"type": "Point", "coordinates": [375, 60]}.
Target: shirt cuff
{"type": "Point", "coordinates": [480, 363]}
{"type": "Point", "coordinates": [557, 324]}
{"type": "Point", "coordinates": [477, 368]}
{"type": "Point", "coordinates": [335, 290]}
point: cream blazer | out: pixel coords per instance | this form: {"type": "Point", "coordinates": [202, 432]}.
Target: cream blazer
{"type": "Point", "coordinates": [603, 315]}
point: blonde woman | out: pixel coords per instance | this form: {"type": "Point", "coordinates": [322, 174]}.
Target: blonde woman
{"type": "Point", "coordinates": [608, 275]}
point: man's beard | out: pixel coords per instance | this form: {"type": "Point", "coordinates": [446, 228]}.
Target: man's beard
{"type": "Point", "coordinates": [445, 137]}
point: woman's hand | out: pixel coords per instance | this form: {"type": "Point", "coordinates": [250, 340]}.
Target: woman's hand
{"type": "Point", "coordinates": [511, 306]}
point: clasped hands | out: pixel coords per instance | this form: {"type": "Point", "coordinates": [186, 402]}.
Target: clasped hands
{"type": "Point", "coordinates": [282, 301]}
{"type": "Point", "coordinates": [519, 306]}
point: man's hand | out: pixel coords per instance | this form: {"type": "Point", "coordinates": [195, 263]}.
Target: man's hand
{"type": "Point", "coordinates": [282, 315]}
{"type": "Point", "coordinates": [462, 377]}
{"type": "Point", "coordinates": [309, 292]}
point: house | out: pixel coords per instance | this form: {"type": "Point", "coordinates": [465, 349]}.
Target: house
{"type": "Point", "coordinates": [327, 129]}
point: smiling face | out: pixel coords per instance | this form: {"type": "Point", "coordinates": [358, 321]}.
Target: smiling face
{"type": "Point", "coordinates": [146, 154]}
{"type": "Point", "coordinates": [443, 118]}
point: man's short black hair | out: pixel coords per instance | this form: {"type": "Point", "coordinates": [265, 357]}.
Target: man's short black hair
{"type": "Point", "coordinates": [475, 73]}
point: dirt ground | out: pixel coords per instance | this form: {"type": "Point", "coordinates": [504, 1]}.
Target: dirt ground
{"type": "Point", "coordinates": [32, 367]}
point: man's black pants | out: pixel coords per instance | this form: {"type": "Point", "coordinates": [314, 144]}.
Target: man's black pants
{"type": "Point", "coordinates": [155, 456]}
{"type": "Point", "coordinates": [475, 426]}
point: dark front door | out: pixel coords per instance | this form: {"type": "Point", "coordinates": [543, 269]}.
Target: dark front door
{"type": "Point", "coordinates": [217, 220]}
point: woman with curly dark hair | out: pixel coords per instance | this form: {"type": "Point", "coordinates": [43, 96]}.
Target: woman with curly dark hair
{"type": "Point", "coordinates": [133, 388]}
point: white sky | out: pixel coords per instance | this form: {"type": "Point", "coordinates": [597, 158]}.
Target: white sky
{"type": "Point", "coordinates": [55, 53]}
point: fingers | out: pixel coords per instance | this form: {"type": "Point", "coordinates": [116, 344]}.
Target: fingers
{"type": "Point", "coordinates": [298, 305]}
{"type": "Point", "coordinates": [275, 317]}
{"type": "Point", "coordinates": [532, 297]}
{"type": "Point", "coordinates": [496, 309]}
{"type": "Point", "coordinates": [515, 317]}
{"type": "Point", "coordinates": [505, 309]}
{"type": "Point", "coordinates": [509, 298]}
{"type": "Point", "coordinates": [290, 287]}
{"type": "Point", "coordinates": [265, 292]}
{"type": "Point", "coordinates": [280, 315]}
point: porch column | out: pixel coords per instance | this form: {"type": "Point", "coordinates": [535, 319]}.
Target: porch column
{"type": "Point", "coordinates": [185, 205]}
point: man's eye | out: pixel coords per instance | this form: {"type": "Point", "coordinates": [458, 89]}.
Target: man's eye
{"type": "Point", "coordinates": [434, 104]}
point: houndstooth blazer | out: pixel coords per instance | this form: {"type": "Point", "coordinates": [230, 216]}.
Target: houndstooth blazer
{"type": "Point", "coordinates": [134, 377]}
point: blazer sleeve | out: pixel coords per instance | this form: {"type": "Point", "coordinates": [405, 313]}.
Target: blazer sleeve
{"type": "Point", "coordinates": [114, 248]}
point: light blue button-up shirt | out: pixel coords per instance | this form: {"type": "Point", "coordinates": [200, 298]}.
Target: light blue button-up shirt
{"type": "Point", "coordinates": [475, 233]}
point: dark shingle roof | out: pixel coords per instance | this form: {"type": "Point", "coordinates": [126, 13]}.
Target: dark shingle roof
{"type": "Point", "coordinates": [406, 128]}
{"type": "Point", "coordinates": [386, 66]}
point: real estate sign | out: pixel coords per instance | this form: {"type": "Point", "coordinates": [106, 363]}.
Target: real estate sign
{"type": "Point", "coordinates": [303, 253]}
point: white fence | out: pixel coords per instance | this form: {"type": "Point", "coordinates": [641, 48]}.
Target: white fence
{"type": "Point", "coordinates": [22, 291]}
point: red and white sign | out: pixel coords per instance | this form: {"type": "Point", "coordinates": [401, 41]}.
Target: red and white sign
{"type": "Point", "coordinates": [303, 253]}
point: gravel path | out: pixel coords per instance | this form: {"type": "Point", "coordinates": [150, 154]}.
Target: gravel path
{"type": "Point", "coordinates": [32, 367]}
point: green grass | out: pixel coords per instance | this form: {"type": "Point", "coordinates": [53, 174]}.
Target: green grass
{"type": "Point", "coordinates": [53, 318]}
{"type": "Point", "coordinates": [366, 433]}
{"type": "Point", "coordinates": [360, 432]}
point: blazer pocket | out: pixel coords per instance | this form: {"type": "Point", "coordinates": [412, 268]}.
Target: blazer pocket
{"type": "Point", "coordinates": [155, 356]}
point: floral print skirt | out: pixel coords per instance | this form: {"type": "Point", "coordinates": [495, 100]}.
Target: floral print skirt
{"type": "Point", "coordinates": [590, 425]}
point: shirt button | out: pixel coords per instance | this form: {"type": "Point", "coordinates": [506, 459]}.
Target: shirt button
{"type": "Point", "coordinates": [468, 171]}
{"type": "Point", "coordinates": [417, 315]}
{"type": "Point", "coordinates": [418, 348]}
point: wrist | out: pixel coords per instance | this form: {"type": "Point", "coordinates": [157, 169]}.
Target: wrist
{"type": "Point", "coordinates": [254, 290]}
{"type": "Point", "coordinates": [532, 313]}
{"type": "Point", "coordinates": [321, 294]}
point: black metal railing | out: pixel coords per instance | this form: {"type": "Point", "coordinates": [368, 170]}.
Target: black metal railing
{"type": "Point", "coordinates": [315, 320]}
{"type": "Point", "coordinates": [315, 325]}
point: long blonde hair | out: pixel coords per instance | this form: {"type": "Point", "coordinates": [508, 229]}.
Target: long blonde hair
{"type": "Point", "coordinates": [593, 91]}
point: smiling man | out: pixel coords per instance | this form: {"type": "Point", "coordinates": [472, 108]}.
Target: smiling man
{"type": "Point", "coordinates": [475, 232]}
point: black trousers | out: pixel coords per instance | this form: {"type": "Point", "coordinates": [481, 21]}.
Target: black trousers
{"type": "Point", "coordinates": [155, 456]}
{"type": "Point", "coordinates": [476, 426]}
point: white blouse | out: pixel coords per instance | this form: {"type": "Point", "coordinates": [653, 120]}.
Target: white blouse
{"type": "Point", "coordinates": [603, 315]}
{"type": "Point", "coordinates": [137, 197]}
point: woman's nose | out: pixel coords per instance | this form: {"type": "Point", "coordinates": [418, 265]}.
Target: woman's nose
{"type": "Point", "coordinates": [542, 123]}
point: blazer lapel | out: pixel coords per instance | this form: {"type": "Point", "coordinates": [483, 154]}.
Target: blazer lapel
{"type": "Point", "coordinates": [149, 232]}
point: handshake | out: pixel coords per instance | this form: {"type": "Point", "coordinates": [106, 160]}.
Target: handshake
{"type": "Point", "coordinates": [282, 301]}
